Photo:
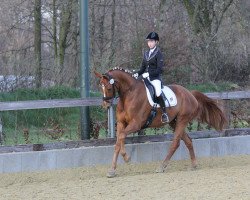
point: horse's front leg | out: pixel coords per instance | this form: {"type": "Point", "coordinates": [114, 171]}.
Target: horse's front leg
{"type": "Point", "coordinates": [111, 172]}
{"type": "Point", "coordinates": [123, 152]}
{"type": "Point", "coordinates": [122, 132]}
{"type": "Point", "coordinates": [132, 127]}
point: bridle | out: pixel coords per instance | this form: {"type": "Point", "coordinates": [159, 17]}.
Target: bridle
{"type": "Point", "coordinates": [112, 82]}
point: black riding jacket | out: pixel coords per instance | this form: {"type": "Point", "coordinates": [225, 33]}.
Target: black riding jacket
{"type": "Point", "coordinates": [153, 64]}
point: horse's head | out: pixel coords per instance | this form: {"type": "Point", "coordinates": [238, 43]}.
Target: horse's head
{"type": "Point", "coordinates": [107, 84]}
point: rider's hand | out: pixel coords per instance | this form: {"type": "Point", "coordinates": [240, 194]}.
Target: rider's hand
{"type": "Point", "coordinates": [135, 75]}
{"type": "Point", "coordinates": [145, 75]}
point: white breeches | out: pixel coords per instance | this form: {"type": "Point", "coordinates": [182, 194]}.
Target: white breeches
{"type": "Point", "coordinates": [157, 86]}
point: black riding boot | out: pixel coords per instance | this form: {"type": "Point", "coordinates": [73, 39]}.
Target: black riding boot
{"type": "Point", "coordinates": [164, 117]}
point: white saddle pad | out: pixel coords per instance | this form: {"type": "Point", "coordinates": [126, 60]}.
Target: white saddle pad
{"type": "Point", "coordinates": [170, 95]}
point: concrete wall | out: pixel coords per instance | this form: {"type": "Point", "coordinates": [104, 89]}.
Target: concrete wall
{"type": "Point", "coordinates": [140, 153]}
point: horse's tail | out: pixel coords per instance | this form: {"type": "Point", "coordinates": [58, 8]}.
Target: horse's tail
{"type": "Point", "coordinates": [209, 111]}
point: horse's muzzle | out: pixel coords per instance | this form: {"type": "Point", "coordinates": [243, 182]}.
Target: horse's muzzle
{"type": "Point", "coordinates": [107, 103]}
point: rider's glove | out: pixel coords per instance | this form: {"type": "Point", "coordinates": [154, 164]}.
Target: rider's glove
{"type": "Point", "coordinates": [145, 75]}
{"type": "Point", "coordinates": [135, 75]}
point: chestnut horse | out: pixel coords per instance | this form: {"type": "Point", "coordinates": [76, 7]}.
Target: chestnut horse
{"type": "Point", "coordinates": [133, 110]}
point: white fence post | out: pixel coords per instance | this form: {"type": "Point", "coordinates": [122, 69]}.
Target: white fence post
{"type": "Point", "coordinates": [1, 129]}
{"type": "Point", "coordinates": [111, 122]}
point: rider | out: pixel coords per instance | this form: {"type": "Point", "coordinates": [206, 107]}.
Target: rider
{"type": "Point", "coordinates": [151, 68]}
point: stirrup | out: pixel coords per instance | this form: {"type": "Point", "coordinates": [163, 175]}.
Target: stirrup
{"type": "Point", "coordinates": [166, 120]}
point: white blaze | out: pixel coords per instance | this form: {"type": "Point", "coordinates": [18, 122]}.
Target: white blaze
{"type": "Point", "coordinates": [103, 89]}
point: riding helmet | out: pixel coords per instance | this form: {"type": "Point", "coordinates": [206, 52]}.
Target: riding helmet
{"type": "Point", "coordinates": [153, 36]}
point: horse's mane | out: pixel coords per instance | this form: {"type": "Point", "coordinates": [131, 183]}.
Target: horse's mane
{"type": "Point", "coordinates": [123, 70]}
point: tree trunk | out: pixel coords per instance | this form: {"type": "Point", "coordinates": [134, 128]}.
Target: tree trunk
{"type": "Point", "coordinates": [101, 33]}
{"type": "Point", "coordinates": [112, 39]}
{"type": "Point", "coordinates": [66, 16]}
{"type": "Point", "coordinates": [37, 43]}
{"type": "Point", "coordinates": [92, 33]}
{"type": "Point", "coordinates": [54, 27]}
{"type": "Point", "coordinates": [75, 51]}
{"type": "Point", "coordinates": [161, 21]}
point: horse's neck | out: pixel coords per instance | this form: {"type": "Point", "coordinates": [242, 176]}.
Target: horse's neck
{"type": "Point", "coordinates": [125, 81]}
{"type": "Point", "coordinates": [129, 88]}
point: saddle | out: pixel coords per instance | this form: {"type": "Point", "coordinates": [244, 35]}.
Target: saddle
{"type": "Point", "coordinates": [168, 95]}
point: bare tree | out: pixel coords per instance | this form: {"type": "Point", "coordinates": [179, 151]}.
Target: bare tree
{"type": "Point", "coordinates": [37, 42]}
{"type": "Point", "coordinates": [205, 18]}
{"type": "Point", "coordinates": [199, 39]}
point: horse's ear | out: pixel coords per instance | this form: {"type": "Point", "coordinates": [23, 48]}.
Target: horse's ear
{"type": "Point", "coordinates": [97, 74]}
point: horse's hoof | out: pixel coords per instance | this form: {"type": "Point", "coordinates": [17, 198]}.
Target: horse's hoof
{"type": "Point", "coordinates": [128, 159]}
{"type": "Point", "coordinates": [161, 169]}
{"type": "Point", "coordinates": [194, 167]}
{"type": "Point", "coordinates": [111, 173]}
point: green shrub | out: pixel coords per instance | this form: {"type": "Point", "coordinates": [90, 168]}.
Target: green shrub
{"type": "Point", "coordinates": [211, 87]}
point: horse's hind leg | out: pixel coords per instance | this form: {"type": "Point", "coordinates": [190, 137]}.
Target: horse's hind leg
{"type": "Point", "coordinates": [179, 131]}
{"type": "Point", "coordinates": [188, 142]}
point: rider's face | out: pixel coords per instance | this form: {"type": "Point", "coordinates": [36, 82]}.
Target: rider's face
{"type": "Point", "coordinates": [151, 44]}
